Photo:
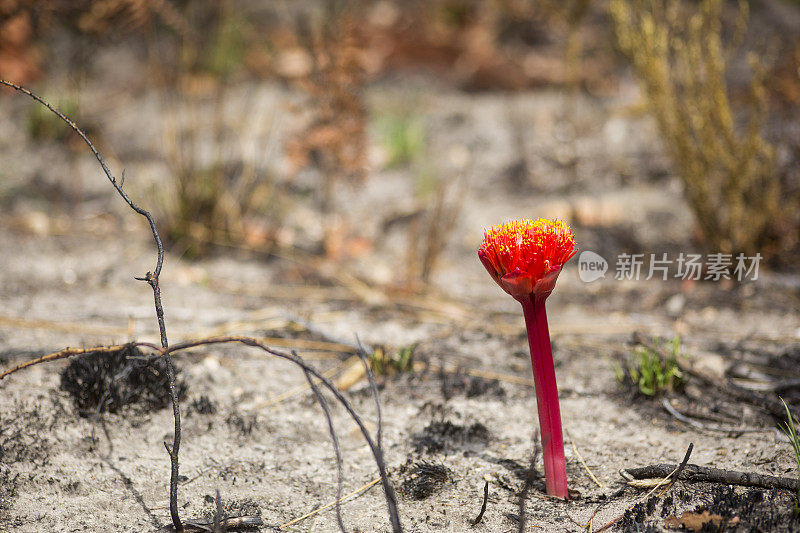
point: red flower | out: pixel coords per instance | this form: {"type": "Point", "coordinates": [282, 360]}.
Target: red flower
{"type": "Point", "coordinates": [525, 256]}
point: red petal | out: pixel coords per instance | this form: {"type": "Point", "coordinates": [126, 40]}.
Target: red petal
{"type": "Point", "coordinates": [517, 283]}
{"type": "Point", "coordinates": [546, 284]}
{"type": "Point", "coordinates": [488, 265]}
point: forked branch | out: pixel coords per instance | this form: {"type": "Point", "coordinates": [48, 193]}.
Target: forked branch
{"type": "Point", "coordinates": [152, 279]}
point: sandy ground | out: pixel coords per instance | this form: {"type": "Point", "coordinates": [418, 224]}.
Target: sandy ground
{"type": "Point", "coordinates": [66, 279]}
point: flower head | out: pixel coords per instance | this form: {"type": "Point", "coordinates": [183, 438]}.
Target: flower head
{"type": "Point", "coordinates": [525, 256]}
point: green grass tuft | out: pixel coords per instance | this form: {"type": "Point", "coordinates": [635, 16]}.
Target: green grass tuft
{"type": "Point", "coordinates": [403, 138]}
{"type": "Point", "coordinates": [384, 364]}
{"type": "Point", "coordinates": [652, 372]}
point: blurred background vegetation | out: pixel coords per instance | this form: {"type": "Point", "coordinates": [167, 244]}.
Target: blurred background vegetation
{"type": "Point", "coordinates": [720, 78]}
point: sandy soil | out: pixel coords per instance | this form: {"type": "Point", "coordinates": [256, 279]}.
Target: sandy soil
{"type": "Point", "coordinates": [66, 279]}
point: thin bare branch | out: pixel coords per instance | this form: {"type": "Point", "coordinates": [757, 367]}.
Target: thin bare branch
{"type": "Point", "coordinates": [61, 354]}
{"type": "Point", "coordinates": [166, 351]}
{"type": "Point", "coordinates": [357, 492]}
{"type": "Point", "coordinates": [323, 404]}
{"type": "Point", "coordinates": [117, 184]}
{"type": "Point", "coordinates": [362, 354]}
{"type": "Point", "coordinates": [152, 279]}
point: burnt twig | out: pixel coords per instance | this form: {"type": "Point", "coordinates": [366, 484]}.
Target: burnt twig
{"type": "Point", "coordinates": [335, 439]}
{"type": "Point", "coordinates": [61, 354]}
{"type": "Point", "coordinates": [219, 515]}
{"type": "Point", "coordinates": [677, 472]}
{"type": "Point", "coordinates": [483, 506]}
{"type": "Point", "coordinates": [696, 474]}
{"type": "Point", "coordinates": [362, 354]}
{"type": "Point", "coordinates": [152, 279]}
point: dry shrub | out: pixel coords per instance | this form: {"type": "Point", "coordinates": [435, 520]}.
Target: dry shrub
{"type": "Point", "coordinates": [24, 23]}
{"type": "Point", "coordinates": [494, 44]}
{"type": "Point", "coordinates": [18, 58]}
{"type": "Point", "coordinates": [216, 139]}
{"type": "Point", "coordinates": [422, 479]}
{"type": "Point", "coordinates": [216, 55]}
{"type": "Point", "coordinates": [101, 17]}
{"type": "Point", "coordinates": [218, 195]}
{"type": "Point", "coordinates": [429, 231]}
{"type": "Point", "coordinates": [334, 137]}
{"type": "Point", "coordinates": [727, 167]}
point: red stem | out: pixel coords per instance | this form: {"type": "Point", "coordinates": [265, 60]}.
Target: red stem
{"type": "Point", "coordinates": [544, 379]}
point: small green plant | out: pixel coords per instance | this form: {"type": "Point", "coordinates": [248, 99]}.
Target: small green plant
{"type": "Point", "coordinates": [403, 138]}
{"type": "Point", "coordinates": [226, 53]}
{"type": "Point", "coordinates": [43, 125]}
{"type": "Point", "coordinates": [652, 372]}
{"type": "Point", "coordinates": [384, 363]}
{"type": "Point", "coordinates": [790, 428]}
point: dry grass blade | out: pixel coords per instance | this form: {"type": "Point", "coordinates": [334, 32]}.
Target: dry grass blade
{"type": "Point", "coordinates": [319, 346]}
{"type": "Point", "coordinates": [583, 463]}
{"type": "Point", "coordinates": [352, 374]}
{"type": "Point", "coordinates": [61, 354]}
{"type": "Point", "coordinates": [66, 327]}
{"type": "Point", "coordinates": [485, 374]}
{"type": "Point", "coordinates": [296, 390]}
{"type": "Point", "coordinates": [315, 512]}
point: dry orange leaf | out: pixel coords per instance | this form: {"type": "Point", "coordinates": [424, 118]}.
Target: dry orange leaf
{"type": "Point", "coordinates": [695, 521]}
